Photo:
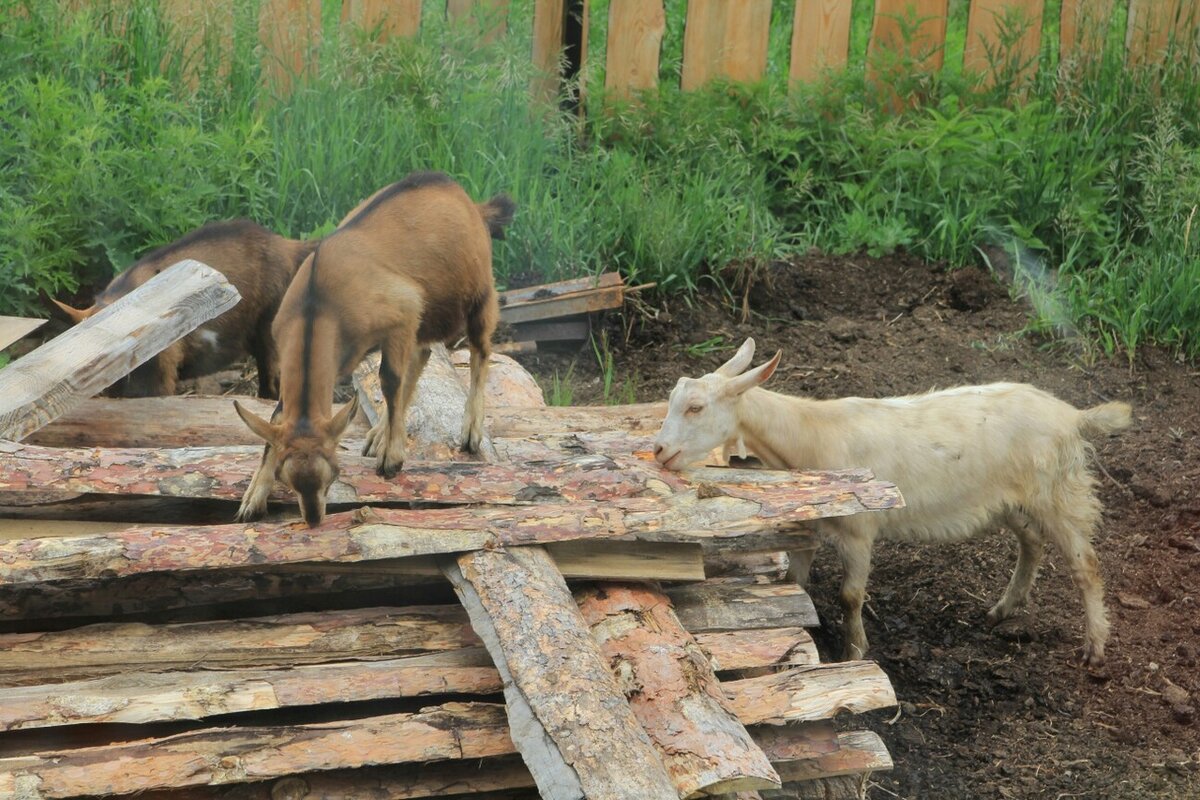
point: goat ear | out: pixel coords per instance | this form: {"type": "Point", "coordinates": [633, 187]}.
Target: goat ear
{"type": "Point", "coordinates": [77, 315]}
{"type": "Point", "coordinates": [337, 425]}
{"type": "Point", "coordinates": [257, 425]}
{"type": "Point", "coordinates": [748, 380]}
{"type": "Point", "coordinates": [741, 359]}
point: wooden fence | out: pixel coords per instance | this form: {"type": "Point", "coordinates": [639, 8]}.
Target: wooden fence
{"type": "Point", "coordinates": [729, 38]}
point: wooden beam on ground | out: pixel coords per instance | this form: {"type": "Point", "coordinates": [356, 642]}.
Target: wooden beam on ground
{"type": "Point", "coordinates": [564, 299]}
{"type": "Point", "coordinates": [673, 691]}
{"type": "Point", "coordinates": [820, 39]}
{"type": "Point", "coordinates": [769, 518]}
{"type": "Point", "coordinates": [567, 716]}
{"type": "Point", "coordinates": [14, 328]}
{"type": "Point", "coordinates": [93, 354]}
{"type": "Point", "coordinates": [206, 421]}
{"type": "Point", "coordinates": [237, 755]}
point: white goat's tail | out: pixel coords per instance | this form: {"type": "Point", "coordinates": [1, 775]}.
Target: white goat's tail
{"type": "Point", "coordinates": [1104, 419]}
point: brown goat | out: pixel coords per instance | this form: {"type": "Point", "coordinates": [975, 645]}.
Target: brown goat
{"type": "Point", "coordinates": [260, 265]}
{"type": "Point", "coordinates": [410, 266]}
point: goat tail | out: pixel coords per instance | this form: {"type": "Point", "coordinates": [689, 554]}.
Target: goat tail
{"type": "Point", "coordinates": [1104, 419]}
{"type": "Point", "coordinates": [497, 213]}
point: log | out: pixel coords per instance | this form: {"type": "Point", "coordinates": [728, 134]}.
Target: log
{"type": "Point", "coordinates": [93, 354]}
{"type": "Point", "coordinates": [508, 383]}
{"type": "Point", "coordinates": [815, 692]}
{"type": "Point", "coordinates": [737, 513]}
{"type": "Point", "coordinates": [859, 752]}
{"type": "Point", "coordinates": [730, 604]}
{"type": "Point", "coordinates": [192, 421]}
{"type": "Point", "coordinates": [567, 716]}
{"type": "Point", "coordinates": [673, 691]}
{"type": "Point", "coordinates": [188, 689]}
{"type": "Point", "coordinates": [237, 755]}
{"type": "Point", "coordinates": [435, 413]}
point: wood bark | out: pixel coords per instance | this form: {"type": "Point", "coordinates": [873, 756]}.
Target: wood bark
{"type": "Point", "coordinates": [568, 717]}
{"type": "Point", "coordinates": [673, 691]}
{"type": "Point", "coordinates": [192, 421]}
{"type": "Point", "coordinates": [237, 755]}
{"type": "Point", "coordinates": [734, 514]}
{"type": "Point", "coordinates": [819, 691]}
{"type": "Point", "coordinates": [91, 355]}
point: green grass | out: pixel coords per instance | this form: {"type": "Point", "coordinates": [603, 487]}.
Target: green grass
{"type": "Point", "coordinates": [108, 149]}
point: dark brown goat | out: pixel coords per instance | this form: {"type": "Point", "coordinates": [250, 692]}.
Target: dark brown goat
{"type": "Point", "coordinates": [260, 265]}
{"type": "Point", "coordinates": [410, 266]}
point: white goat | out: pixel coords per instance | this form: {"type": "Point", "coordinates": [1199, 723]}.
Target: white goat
{"type": "Point", "coordinates": [962, 458]}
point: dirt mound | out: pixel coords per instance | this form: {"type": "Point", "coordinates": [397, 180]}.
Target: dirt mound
{"type": "Point", "coordinates": [1004, 713]}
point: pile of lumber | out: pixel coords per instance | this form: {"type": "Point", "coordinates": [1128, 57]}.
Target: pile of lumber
{"type": "Point", "coordinates": [536, 623]}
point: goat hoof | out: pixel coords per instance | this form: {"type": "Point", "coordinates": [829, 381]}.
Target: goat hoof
{"type": "Point", "coordinates": [389, 471]}
{"type": "Point", "coordinates": [1093, 657]}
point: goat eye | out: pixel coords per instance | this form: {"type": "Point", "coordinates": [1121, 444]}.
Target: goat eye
{"type": "Point", "coordinates": [695, 409]}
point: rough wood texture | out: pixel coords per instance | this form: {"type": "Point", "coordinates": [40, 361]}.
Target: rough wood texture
{"type": "Point", "coordinates": [189, 421]}
{"type": "Point", "coordinates": [14, 328]}
{"type": "Point", "coordinates": [858, 752]}
{"type": "Point", "coordinates": [90, 356]}
{"type": "Point", "coordinates": [924, 20]}
{"type": "Point", "coordinates": [990, 49]}
{"type": "Point", "coordinates": [508, 383]}
{"type": "Point", "coordinates": [673, 691]}
{"type": "Point", "coordinates": [732, 604]}
{"type": "Point", "coordinates": [724, 40]}
{"type": "Point", "coordinates": [1156, 26]}
{"type": "Point", "coordinates": [805, 694]}
{"type": "Point", "coordinates": [434, 415]}
{"type": "Point", "coordinates": [237, 755]}
{"type": "Point", "coordinates": [567, 716]}
{"type": "Point", "coordinates": [739, 513]}
{"type": "Point", "coordinates": [564, 298]}
{"type": "Point", "coordinates": [635, 33]}
{"type": "Point", "coordinates": [820, 38]}
{"type": "Point", "coordinates": [548, 21]}
{"type": "Point", "coordinates": [1083, 26]}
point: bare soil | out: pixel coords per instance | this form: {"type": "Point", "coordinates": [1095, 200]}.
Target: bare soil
{"type": "Point", "coordinates": [1003, 713]}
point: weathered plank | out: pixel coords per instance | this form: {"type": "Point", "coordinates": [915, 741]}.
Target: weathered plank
{"type": "Point", "coordinates": [730, 605]}
{"type": "Point", "coordinates": [905, 35]}
{"type": "Point", "coordinates": [740, 517]}
{"type": "Point", "coordinates": [14, 328]}
{"type": "Point", "coordinates": [805, 694]}
{"type": "Point", "coordinates": [557, 295]}
{"type": "Point", "coordinates": [1083, 28]}
{"type": "Point", "coordinates": [549, 17]}
{"type": "Point", "coordinates": [567, 716]}
{"type": "Point", "coordinates": [725, 40]}
{"type": "Point", "coordinates": [189, 689]}
{"type": "Point", "coordinates": [858, 752]}
{"type": "Point", "coordinates": [390, 17]}
{"type": "Point", "coordinates": [290, 31]}
{"type": "Point", "coordinates": [237, 755]}
{"type": "Point", "coordinates": [191, 421]}
{"type": "Point", "coordinates": [820, 38]}
{"type": "Point", "coordinates": [551, 307]}
{"type": "Point", "coordinates": [82, 361]}
{"type": "Point", "coordinates": [673, 691]}
{"type": "Point", "coordinates": [635, 33]}
{"type": "Point", "coordinates": [1003, 39]}
{"type": "Point", "coordinates": [1156, 27]}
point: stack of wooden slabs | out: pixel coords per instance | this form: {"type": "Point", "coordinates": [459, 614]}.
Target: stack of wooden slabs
{"type": "Point", "coordinates": [424, 640]}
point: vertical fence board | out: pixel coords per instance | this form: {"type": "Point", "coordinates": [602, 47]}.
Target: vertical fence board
{"type": "Point", "coordinates": [1082, 28]}
{"type": "Point", "coordinates": [990, 47]}
{"type": "Point", "coordinates": [635, 33]}
{"type": "Point", "coordinates": [393, 17]}
{"type": "Point", "coordinates": [1156, 25]}
{"type": "Point", "coordinates": [290, 31]}
{"type": "Point", "coordinates": [548, 18]}
{"type": "Point", "coordinates": [924, 22]}
{"type": "Point", "coordinates": [723, 39]}
{"type": "Point", "coordinates": [191, 23]}
{"type": "Point", "coordinates": [820, 38]}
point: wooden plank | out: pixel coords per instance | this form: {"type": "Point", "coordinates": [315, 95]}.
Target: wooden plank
{"type": "Point", "coordinates": [237, 755]}
{"type": "Point", "coordinates": [191, 421]}
{"type": "Point", "coordinates": [566, 305]}
{"type": "Point", "coordinates": [905, 31]}
{"type": "Point", "coordinates": [1003, 40]}
{"type": "Point", "coordinates": [389, 17]}
{"type": "Point", "coordinates": [14, 328]}
{"type": "Point", "coordinates": [859, 752]}
{"type": "Point", "coordinates": [1083, 28]}
{"type": "Point", "coordinates": [549, 17]}
{"type": "Point", "coordinates": [725, 40]}
{"type": "Point", "coordinates": [555, 678]}
{"type": "Point", "coordinates": [731, 605]}
{"type": "Point", "coordinates": [805, 694]}
{"type": "Point", "coordinates": [769, 516]}
{"type": "Point", "coordinates": [1156, 26]}
{"type": "Point", "coordinates": [571, 286]}
{"type": "Point", "coordinates": [820, 39]}
{"type": "Point", "coordinates": [91, 355]}
{"type": "Point", "coordinates": [673, 691]}
{"type": "Point", "coordinates": [635, 33]}
{"type": "Point", "coordinates": [290, 31]}
{"type": "Point", "coordinates": [187, 689]}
